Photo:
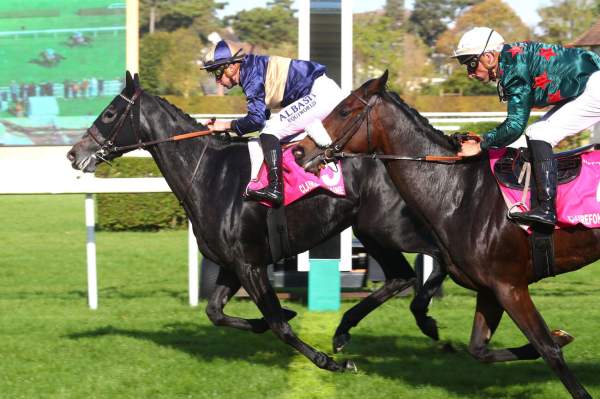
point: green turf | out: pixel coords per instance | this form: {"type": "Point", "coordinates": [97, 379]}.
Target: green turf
{"type": "Point", "coordinates": [144, 341]}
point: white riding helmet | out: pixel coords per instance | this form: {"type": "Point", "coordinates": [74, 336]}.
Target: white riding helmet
{"type": "Point", "coordinates": [477, 41]}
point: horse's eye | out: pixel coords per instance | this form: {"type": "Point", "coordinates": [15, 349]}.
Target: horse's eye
{"type": "Point", "coordinates": [344, 112]}
{"type": "Point", "coordinates": [109, 115]}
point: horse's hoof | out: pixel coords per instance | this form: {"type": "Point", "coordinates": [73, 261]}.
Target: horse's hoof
{"type": "Point", "coordinates": [448, 348]}
{"type": "Point", "coordinates": [562, 337]}
{"type": "Point", "coordinates": [339, 341]}
{"type": "Point", "coordinates": [349, 366]}
{"type": "Point", "coordinates": [428, 326]}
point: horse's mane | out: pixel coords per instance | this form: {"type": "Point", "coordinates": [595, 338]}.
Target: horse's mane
{"type": "Point", "coordinates": [177, 114]}
{"type": "Point", "coordinates": [417, 117]}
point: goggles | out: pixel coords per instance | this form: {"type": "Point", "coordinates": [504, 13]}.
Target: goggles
{"type": "Point", "coordinates": [219, 71]}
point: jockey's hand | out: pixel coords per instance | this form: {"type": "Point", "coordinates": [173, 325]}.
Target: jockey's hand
{"type": "Point", "coordinates": [219, 125]}
{"type": "Point", "coordinates": [469, 148]}
{"type": "Point", "coordinates": [469, 144]}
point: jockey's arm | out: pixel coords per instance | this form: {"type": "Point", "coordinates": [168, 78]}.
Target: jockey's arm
{"type": "Point", "coordinates": [520, 101]}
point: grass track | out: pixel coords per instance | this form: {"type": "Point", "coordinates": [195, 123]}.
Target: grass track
{"type": "Point", "coordinates": [145, 342]}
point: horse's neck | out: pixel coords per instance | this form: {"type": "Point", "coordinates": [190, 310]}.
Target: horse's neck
{"type": "Point", "coordinates": [182, 163]}
{"type": "Point", "coordinates": [438, 191]}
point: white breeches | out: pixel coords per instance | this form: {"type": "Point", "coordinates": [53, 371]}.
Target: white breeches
{"type": "Point", "coordinates": [571, 118]}
{"type": "Point", "coordinates": [323, 98]}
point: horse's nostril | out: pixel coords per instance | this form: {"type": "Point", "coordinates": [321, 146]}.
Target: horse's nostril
{"type": "Point", "coordinates": [71, 155]}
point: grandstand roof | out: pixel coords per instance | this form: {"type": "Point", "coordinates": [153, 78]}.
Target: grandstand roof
{"type": "Point", "coordinates": [589, 38]}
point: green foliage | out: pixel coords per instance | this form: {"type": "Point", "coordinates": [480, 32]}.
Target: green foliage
{"type": "Point", "coordinates": [495, 14]}
{"type": "Point", "coordinates": [380, 44]}
{"type": "Point", "coordinates": [430, 18]}
{"type": "Point", "coordinates": [266, 27]}
{"type": "Point", "coordinates": [459, 83]}
{"type": "Point", "coordinates": [169, 16]}
{"type": "Point", "coordinates": [565, 20]}
{"type": "Point", "coordinates": [168, 62]}
{"type": "Point", "coordinates": [147, 211]}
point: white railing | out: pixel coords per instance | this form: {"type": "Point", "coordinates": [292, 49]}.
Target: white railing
{"type": "Point", "coordinates": [36, 32]}
{"type": "Point", "coordinates": [45, 170]}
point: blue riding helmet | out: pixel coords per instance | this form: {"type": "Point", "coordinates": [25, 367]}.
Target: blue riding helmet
{"type": "Point", "coordinates": [223, 53]}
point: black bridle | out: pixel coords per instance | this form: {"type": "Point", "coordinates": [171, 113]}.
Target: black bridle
{"type": "Point", "coordinates": [132, 113]}
{"type": "Point", "coordinates": [107, 146]}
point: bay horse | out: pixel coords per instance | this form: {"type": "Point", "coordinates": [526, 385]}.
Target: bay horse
{"type": "Point", "coordinates": [209, 174]}
{"type": "Point", "coordinates": [462, 205]}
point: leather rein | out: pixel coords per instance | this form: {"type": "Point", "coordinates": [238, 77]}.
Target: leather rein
{"type": "Point", "coordinates": [334, 150]}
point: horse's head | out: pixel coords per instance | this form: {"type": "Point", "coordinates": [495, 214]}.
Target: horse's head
{"type": "Point", "coordinates": [348, 126]}
{"type": "Point", "coordinates": [116, 126]}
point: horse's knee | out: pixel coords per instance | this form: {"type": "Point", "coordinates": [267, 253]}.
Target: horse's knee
{"type": "Point", "coordinates": [215, 314]}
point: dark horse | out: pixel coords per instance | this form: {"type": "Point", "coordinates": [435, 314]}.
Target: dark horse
{"type": "Point", "coordinates": [209, 174]}
{"type": "Point", "coordinates": [464, 209]}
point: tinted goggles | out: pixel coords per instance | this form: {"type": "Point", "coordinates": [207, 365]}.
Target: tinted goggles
{"type": "Point", "coordinates": [218, 71]}
{"type": "Point", "coordinates": [470, 61]}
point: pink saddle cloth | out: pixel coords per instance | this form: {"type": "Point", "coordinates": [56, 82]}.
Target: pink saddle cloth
{"type": "Point", "coordinates": [577, 202]}
{"type": "Point", "coordinates": [297, 182]}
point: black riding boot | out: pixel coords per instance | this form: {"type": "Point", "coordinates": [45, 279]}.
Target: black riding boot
{"type": "Point", "coordinates": [274, 191]}
{"type": "Point", "coordinates": [544, 174]}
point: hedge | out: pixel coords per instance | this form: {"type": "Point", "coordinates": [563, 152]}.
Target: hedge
{"type": "Point", "coordinates": [146, 211]}
{"type": "Point", "coordinates": [237, 104]}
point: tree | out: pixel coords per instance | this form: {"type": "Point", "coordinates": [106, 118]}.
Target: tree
{"type": "Point", "coordinates": [394, 10]}
{"type": "Point", "coordinates": [266, 27]}
{"type": "Point", "coordinates": [491, 13]}
{"type": "Point", "coordinates": [430, 18]}
{"type": "Point", "coordinates": [168, 62]}
{"type": "Point", "coordinates": [172, 15]}
{"type": "Point", "coordinates": [379, 45]}
{"type": "Point", "coordinates": [565, 20]}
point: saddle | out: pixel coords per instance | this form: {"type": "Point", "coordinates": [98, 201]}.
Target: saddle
{"type": "Point", "coordinates": [508, 168]}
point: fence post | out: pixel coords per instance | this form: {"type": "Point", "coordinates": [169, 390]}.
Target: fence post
{"type": "Point", "coordinates": [193, 280]}
{"type": "Point", "coordinates": [90, 224]}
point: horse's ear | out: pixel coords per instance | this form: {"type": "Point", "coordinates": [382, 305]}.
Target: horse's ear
{"type": "Point", "coordinates": [129, 85]}
{"type": "Point", "coordinates": [383, 80]}
{"type": "Point", "coordinates": [136, 80]}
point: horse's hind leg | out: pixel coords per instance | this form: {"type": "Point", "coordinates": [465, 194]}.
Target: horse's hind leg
{"type": "Point", "coordinates": [519, 306]}
{"type": "Point", "coordinates": [487, 317]}
{"type": "Point", "coordinates": [398, 276]}
{"type": "Point", "coordinates": [256, 283]}
{"type": "Point", "coordinates": [227, 285]}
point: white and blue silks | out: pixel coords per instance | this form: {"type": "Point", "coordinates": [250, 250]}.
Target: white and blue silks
{"type": "Point", "coordinates": [300, 88]}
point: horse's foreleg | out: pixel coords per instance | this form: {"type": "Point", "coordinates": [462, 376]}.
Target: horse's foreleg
{"type": "Point", "coordinates": [519, 306]}
{"type": "Point", "coordinates": [226, 286]}
{"type": "Point", "coordinates": [399, 275]}
{"type": "Point", "coordinates": [487, 317]}
{"type": "Point", "coordinates": [359, 311]}
{"type": "Point", "coordinates": [419, 306]}
{"type": "Point", "coordinates": [256, 283]}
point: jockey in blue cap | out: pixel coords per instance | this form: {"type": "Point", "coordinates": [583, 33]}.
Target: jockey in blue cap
{"type": "Point", "coordinates": [300, 90]}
